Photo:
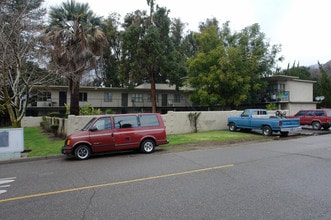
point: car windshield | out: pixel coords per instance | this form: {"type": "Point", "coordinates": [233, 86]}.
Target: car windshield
{"type": "Point", "coordinates": [88, 124]}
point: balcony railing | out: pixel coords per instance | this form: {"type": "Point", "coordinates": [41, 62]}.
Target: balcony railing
{"type": "Point", "coordinates": [99, 102]}
{"type": "Point", "coordinates": [277, 96]}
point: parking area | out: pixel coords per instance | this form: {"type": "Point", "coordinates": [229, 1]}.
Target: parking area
{"type": "Point", "coordinates": [308, 130]}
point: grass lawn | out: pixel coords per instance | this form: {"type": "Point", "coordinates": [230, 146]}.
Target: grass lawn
{"type": "Point", "coordinates": [40, 144]}
{"type": "Point", "coordinates": [211, 136]}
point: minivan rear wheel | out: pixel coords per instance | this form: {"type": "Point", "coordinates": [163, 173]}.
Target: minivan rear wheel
{"type": "Point", "coordinates": [82, 152]}
{"type": "Point", "coordinates": [147, 146]}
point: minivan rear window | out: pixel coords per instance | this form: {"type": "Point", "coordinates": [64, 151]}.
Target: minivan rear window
{"type": "Point", "coordinates": [148, 120]}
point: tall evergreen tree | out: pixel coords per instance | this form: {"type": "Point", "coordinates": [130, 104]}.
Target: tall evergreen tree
{"type": "Point", "coordinates": [148, 52]}
{"type": "Point", "coordinates": [323, 88]}
{"type": "Point", "coordinates": [110, 73]}
{"type": "Point", "coordinates": [296, 70]}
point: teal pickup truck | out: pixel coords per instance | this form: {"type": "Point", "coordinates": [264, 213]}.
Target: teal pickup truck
{"type": "Point", "coordinates": [259, 119]}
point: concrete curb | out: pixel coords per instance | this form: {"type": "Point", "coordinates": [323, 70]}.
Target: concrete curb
{"type": "Point", "coordinates": [27, 159]}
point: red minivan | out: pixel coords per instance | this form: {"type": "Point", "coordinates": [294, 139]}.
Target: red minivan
{"type": "Point", "coordinates": [105, 133]}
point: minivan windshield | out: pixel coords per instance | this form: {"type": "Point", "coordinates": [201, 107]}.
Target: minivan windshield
{"type": "Point", "coordinates": [88, 124]}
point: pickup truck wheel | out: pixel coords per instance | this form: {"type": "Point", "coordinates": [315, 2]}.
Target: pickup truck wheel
{"type": "Point", "coordinates": [316, 125]}
{"type": "Point", "coordinates": [147, 146]}
{"type": "Point", "coordinates": [82, 152]}
{"type": "Point", "coordinates": [266, 130]}
{"type": "Point", "coordinates": [232, 127]}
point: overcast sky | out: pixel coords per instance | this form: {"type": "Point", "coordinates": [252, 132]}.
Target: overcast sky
{"type": "Point", "coordinates": [302, 27]}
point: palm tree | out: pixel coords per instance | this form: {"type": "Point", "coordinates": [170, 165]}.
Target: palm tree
{"type": "Point", "coordinates": [77, 43]}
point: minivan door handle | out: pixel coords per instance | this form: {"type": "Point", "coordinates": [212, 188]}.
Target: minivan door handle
{"type": "Point", "coordinates": [112, 134]}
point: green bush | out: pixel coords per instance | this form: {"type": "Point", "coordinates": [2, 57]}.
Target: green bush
{"type": "Point", "coordinates": [271, 106]}
{"type": "Point", "coordinates": [54, 128]}
{"type": "Point", "coordinates": [109, 111]}
{"type": "Point", "coordinates": [44, 125]}
{"type": "Point", "coordinates": [89, 110]}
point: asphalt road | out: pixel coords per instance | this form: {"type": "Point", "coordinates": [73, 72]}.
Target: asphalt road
{"type": "Point", "coordinates": [281, 179]}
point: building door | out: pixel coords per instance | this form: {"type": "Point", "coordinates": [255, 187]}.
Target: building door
{"type": "Point", "coordinates": [164, 100]}
{"type": "Point", "coordinates": [124, 99]}
{"type": "Point", "coordinates": [62, 98]}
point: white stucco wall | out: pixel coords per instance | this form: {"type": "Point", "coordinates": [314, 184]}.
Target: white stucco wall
{"type": "Point", "coordinates": [175, 122]}
{"type": "Point", "coordinates": [295, 107]}
{"type": "Point", "coordinates": [178, 122]}
{"type": "Point", "coordinates": [31, 121]}
{"type": "Point", "coordinates": [300, 91]}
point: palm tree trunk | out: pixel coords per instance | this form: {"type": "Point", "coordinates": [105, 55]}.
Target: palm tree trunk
{"type": "Point", "coordinates": [74, 97]}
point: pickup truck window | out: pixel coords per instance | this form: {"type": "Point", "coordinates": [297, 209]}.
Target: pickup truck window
{"type": "Point", "coordinates": [245, 113]}
{"type": "Point", "coordinates": [259, 112]}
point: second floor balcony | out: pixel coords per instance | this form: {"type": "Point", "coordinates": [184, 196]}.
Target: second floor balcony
{"type": "Point", "coordinates": [276, 96]}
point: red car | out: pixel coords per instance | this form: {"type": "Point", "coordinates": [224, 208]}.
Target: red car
{"type": "Point", "coordinates": [318, 118]}
{"type": "Point", "coordinates": [117, 132]}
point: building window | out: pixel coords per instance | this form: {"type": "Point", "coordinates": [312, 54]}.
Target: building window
{"type": "Point", "coordinates": [83, 97]}
{"type": "Point", "coordinates": [278, 87]}
{"type": "Point", "coordinates": [107, 97]}
{"type": "Point", "coordinates": [176, 97]}
{"type": "Point", "coordinates": [149, 98]}
{"type": "Point", "coordinates": [44, 96]}
{"type": "Point", "coordinates": [137, 97]}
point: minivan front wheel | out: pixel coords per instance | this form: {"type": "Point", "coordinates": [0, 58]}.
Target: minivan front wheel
{"type": "Point", "coordinates": [82, 152]}
{"type": "Point", "coordinates": [147, 146]}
